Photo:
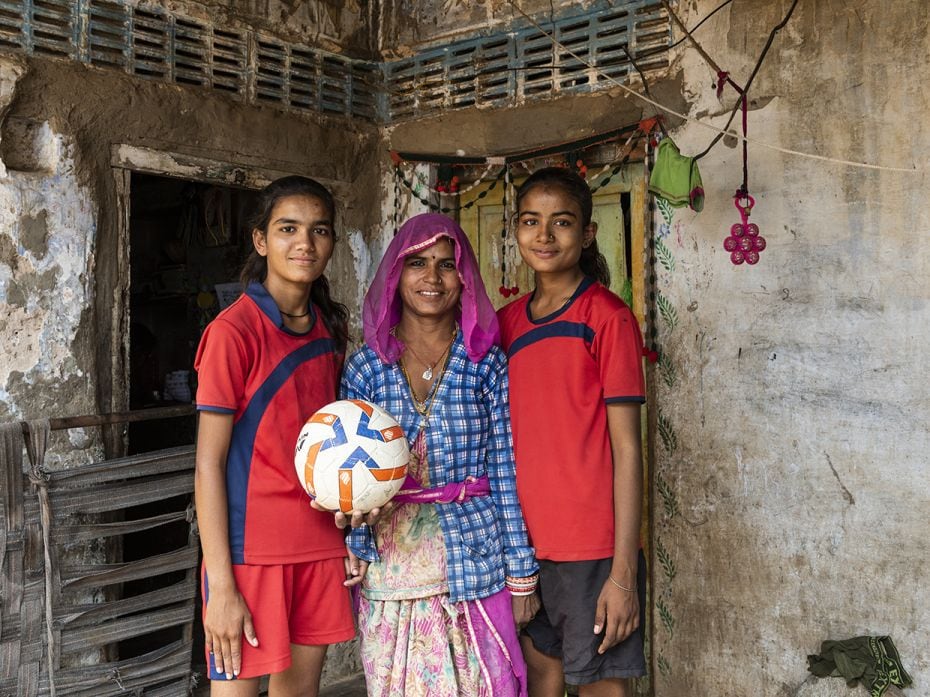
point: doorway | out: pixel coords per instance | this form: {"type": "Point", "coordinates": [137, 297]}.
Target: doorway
{"type": "Point", "coordinates": [187, 242]}
{"type": "Point", "coordinates": [620, 214]}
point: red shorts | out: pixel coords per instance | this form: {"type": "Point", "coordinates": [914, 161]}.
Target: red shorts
{"type": "Point", "coordinates": [290, 604]}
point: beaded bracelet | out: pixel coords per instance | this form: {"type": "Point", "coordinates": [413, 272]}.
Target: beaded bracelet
{"type": "Point", "coordinates": [620, 586]}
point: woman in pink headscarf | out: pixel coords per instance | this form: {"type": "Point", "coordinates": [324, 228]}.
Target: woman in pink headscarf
{"type": "Point", "coordinates": [447, 574]}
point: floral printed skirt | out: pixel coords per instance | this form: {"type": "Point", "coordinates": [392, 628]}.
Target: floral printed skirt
{"type": "Point", "coordinates": [415, 641]}
{"type": "Point", "coordinates": [432, 647]}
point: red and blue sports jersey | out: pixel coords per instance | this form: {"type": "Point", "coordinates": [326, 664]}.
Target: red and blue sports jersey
{"type": "Point", "coordinates": [565, 369]}
{"type": "Point", "coordinates": [250, 365]}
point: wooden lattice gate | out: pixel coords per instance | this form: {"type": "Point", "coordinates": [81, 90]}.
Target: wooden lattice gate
{"type": "Point", "coordinates": [55, 612]}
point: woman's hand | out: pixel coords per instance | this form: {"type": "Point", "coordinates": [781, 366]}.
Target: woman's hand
{"type": "Point", "coordinates": [355, 569]}
{"type": "Point", "coordinates": [525, 608]}
{"type": "Point", "coordinates": [226, 620]}
{"type": "Point", "coordinates": [356, 519]}
{"type": "Point", "coordinates": [617, 614]}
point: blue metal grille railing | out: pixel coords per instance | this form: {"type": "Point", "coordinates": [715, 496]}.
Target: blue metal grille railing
{"type": "Point", "coordinates": [505, 69]}
{"type": "Point", "coordinates": [487, 71]}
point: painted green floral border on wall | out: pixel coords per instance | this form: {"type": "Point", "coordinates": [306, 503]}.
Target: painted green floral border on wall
{"type": "Point", "coordinates": [670, 508]}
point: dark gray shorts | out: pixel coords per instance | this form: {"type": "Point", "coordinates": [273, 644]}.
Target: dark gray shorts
{"type": "Point", "coordinates": [562, 627]}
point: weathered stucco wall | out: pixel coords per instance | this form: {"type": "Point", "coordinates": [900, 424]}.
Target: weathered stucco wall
{"type": "Point", "coordinates": [47, 235]}
{"type": "Point", "coordinates": [405, 25]}
{"type": "Point", "coordinates": [115, 109]}
{"type": "Point", "coordinates": [334, 25]}
{"type": "Point", "coordinates": [790, 489]}
{"type": "Point", "coordinates": [791, 495]}
{"type": "Point", "coordinates": [63, 259]}
{"type": "Point", "coordinates": [480, 132]}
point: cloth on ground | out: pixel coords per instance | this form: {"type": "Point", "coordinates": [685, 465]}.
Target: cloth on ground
{"type": "Point", "coordinates": [871, 660]}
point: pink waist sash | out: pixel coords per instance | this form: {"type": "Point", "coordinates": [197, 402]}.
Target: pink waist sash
{"type": "Point", "coordinates": [455, 492]}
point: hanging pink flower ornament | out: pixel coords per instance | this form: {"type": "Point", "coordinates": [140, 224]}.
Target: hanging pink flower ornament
{"type": "Point", "coordinates": [744, 242]}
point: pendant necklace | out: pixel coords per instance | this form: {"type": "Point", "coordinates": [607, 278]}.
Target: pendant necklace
{"type": "Point", "coordinates": [423, 406]}
{"type": "Point", "coordinates": [428, 373]}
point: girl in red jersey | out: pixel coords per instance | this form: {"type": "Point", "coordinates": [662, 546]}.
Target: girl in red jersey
{"type": "Point", "coordinates": [574, 355]}
{"type": "Point", "coordinates": [273, 568]}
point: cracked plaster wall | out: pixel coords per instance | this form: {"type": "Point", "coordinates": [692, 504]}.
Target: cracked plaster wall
{"type": "Point", "coordinates": [70, 191]}
{"type": "Point", "coordinates": [46, 260]}
{"type": "Point", "coordinates": [47, 231]}
{"type": "Point", "coordinates": [404, 26]}
{"type": "Point", "coordinates": [63, 273]}
{"type": "Point", "coordinates": [791, 477]}
{"type": "Point", "coordinates": [790, 483]}
{"type": "Point", "coordinates": [334, 25]}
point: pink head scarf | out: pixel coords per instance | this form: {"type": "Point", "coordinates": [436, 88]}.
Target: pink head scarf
{"type": "Point", "coordinates": [383, 306]}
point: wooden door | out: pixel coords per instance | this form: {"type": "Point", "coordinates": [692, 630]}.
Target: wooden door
{"type": "Point", "coordinates": [483, 223]}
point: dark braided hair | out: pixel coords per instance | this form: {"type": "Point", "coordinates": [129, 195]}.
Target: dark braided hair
{"type": "Point", "coordinates": [335, 314]}
{"type": "Point", "coordinates": [592, 262]}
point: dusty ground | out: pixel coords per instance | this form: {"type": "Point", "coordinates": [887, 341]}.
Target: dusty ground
{"type": "Point", "coordinates": [352, 687]}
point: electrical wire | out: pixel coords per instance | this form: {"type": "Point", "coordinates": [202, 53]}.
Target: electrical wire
{"type": "Point", "coordinates": [703, 124]}
{"type": "Point", "coordinates": [696, 26]}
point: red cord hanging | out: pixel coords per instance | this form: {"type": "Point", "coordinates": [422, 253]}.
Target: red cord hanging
{"type": "Point", "coordinates": [744, 243]}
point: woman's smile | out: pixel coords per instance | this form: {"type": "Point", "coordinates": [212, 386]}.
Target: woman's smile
{"type": "Point", "coordinates": [429, 282]}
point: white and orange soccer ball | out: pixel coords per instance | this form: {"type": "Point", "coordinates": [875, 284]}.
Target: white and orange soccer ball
{"type": "Point", "coordinates": [351, 455]}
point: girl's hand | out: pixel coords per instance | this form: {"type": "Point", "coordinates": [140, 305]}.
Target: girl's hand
{"type": "Point", "coordinates": [617, 615]}
{"type": "Point", "coordinates": [356, 519]}
{"type": "Point", "coordinates": [525, 608]}
{"type": "Point", "coordinates": [355, 569]}
{"type": "Point", "coordinates": [227, 619]}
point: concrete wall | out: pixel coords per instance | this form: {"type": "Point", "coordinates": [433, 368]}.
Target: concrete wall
{"type": "Point", "coordinates": [331, 25]}
{"type": "Point", "coordinates": [73, 193]}
{"type": "Point", "coordinates": [63, 243]}
{"type": "Point", "coordinates": [403, 26]}
{"type": "Point", "coordinates": [791, 494]}
{"type": "Point", "coordinates": [46, 260]}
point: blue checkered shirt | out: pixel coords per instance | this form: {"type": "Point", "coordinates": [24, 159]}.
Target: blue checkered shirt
{"type": "Point", "coordinates": [468, 435]}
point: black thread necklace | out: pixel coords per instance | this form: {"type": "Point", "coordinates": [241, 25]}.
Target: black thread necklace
{"type": "Point", "coordinates": [292, 316]}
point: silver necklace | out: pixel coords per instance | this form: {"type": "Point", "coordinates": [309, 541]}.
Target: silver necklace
{"type": "Point", "coordinates": [428, 373]}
